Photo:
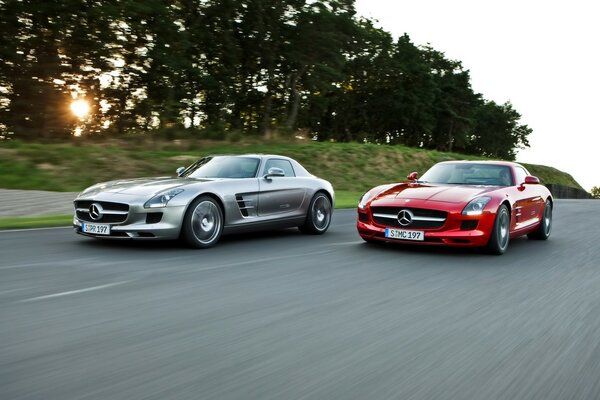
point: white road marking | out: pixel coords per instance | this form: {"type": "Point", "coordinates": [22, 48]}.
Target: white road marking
{"type": "Point", "coordinates": [51, 296]}
{"type": "Point", "coordinates": [66, 263]}
{"type": "Point", "coordinates": [39, 264]}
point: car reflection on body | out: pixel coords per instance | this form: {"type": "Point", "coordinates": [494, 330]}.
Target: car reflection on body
{"type": "Point", "coordinates": [459, 203]}
{"type": "Point", "coordinates": [215, 195]}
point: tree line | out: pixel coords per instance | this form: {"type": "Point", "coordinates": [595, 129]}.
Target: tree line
{"type": "Point", "coordinates": [246, 66]}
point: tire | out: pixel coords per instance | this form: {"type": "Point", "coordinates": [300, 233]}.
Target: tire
{"type": "Point", "coordinates": [545, 227]}
{"type": "Point", "coordinates": [202, 223]}
{"type": "Point", "coordinates": [318, 216]}
{"type": "Point", "coordinates": [501, 232]}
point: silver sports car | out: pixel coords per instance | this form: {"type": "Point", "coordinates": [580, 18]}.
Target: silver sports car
{"type": "Point", "coordinates": [213, 196]}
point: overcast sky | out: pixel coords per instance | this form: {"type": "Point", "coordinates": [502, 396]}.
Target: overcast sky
{"type": "Point", "coordinates": [542, 56]}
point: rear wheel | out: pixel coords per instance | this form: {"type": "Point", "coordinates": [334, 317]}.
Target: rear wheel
{"type": "Point", "coordinates": [203, 223]}
{"type": "Point", "coordinates": [545, 227]}
{"type": "Point", "coordinates": [318, 217]}
{"type": "Point", "coordinates": [501, 232]}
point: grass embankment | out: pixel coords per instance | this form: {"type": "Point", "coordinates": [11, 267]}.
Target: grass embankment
{"type": "Point", "coordinates": [35, 222]}
{"type": "Point", "coordinates": [352, 168]}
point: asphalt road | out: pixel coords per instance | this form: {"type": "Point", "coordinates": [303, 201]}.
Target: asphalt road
{"type": "Point", "coordinates": [288, 316]}
{"type": "Point", "coordinates": [28, 203]}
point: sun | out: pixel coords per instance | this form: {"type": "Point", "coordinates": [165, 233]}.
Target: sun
{"type": "Point", "coordinates": [80, 108]}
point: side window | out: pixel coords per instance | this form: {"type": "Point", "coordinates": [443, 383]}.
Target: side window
{"type": "Point", "coordinates": [285, 165]}
{"type": "Point", "coordinates": [520, 175]}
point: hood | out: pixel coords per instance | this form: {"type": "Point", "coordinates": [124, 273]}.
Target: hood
{"type": "Point", "coordinates": [139, 187]}
{"type": "Point", "coordinates": [442, 193]}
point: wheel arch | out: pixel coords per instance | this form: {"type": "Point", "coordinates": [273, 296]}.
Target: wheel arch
{"type": "Point", "coordinates": [326, 192]}
{"type": "Point", "coordinates": [507, 204]}
{"type": "Point", "coordinates": [209, 194]}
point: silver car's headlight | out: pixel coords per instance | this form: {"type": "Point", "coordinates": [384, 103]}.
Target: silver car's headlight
{"type": "Point", "coordinates": [161, 199]}
{"type": "Point", "coordinates": [476, 206]}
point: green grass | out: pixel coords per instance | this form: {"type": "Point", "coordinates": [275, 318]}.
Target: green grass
{"type": "Point", "coordinates": [35, 222]}
{"type": "Point", "coordinates": [350, 167]}
{"type": "Point", "coordinates": [345, 199]}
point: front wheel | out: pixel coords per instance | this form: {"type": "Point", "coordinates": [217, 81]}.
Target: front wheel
{"type": "Point", "coordinates": [501, 232]}
{"type": "Point", "coordinates": [543, 230]}
{"type": "Point", "coordinates": [203, 223]}
{"type": "Point", "coordinates": [318, 217]}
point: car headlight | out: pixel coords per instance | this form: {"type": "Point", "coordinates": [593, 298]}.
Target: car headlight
{"type": "Point", "coordinates": [161, 199]}
{"type": "Point", "coordinates": [476, 206]}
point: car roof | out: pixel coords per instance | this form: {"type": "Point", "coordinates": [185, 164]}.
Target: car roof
{"type": "Point", "coordinates": [257, 155]}
{"type": "Point", "coordinates": [492, 162]}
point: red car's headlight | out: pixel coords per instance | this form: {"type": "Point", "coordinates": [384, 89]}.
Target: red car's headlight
{"type": "Point", "coordinates": [476, 206]}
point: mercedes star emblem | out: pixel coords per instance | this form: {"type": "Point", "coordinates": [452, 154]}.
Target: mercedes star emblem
{"type": "Point", "coordinates": [95, 211]}
{"type": "Point", "coordinates": [405, 217]}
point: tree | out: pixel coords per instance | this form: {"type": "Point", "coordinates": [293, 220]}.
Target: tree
{"type": "Point", "coordinates": [58, 49]}
{"type": "Point", "coordinates": [249, 66]}
{"type": "Point", "coordinates": [454, 105]}
{"type": "Point", "coordinates": [595, 192]}
{"type": "Point", "coordinates": [497, 131]}
{"type": "Point", "coordinates": [317, 45]}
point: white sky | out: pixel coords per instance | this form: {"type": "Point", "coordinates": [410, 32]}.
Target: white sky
{"type": "Point", "coordinates": [542, 56]}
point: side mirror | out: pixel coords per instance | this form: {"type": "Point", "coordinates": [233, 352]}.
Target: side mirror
{"type": "Point", "coordinates": [532, 180]}
{"type": "Point", "coordinates": [179, 170]}
{"type": "Point", "coordinates": [413, 176]}
{"type": "Point", "coordinates": [274, 171]}
{"type": "Point", "coordinates": [529, 180]}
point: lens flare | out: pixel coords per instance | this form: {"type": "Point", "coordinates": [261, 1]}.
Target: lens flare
{"type": "Point", "coordinates": [80, 108]}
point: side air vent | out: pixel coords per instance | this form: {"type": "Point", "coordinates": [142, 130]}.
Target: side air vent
{"type": "Point", "coordinates": [244, 204]}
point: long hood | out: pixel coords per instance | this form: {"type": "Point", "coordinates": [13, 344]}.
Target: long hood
{"type": "Point", "coordinates": [443, 193]}
{"type": "Point", "coordinates": [137, 187]}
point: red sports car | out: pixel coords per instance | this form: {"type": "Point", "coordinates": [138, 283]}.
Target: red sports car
{"type": "Point", "coordinates": [459, 203]}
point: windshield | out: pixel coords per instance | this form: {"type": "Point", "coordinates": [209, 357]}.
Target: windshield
{"type": "Point", "coordinates": [222, 167]}
{"type": "Point", "coordinates": [469, 174]}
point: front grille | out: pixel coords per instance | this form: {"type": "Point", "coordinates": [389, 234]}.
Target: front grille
{"type": "Point", "coordinates": [423, 218]}
{"type": "Point", "coordinates": [112, 213]}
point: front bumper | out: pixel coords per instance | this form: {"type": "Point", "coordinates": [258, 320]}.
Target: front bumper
{"type": "Point", "coordinates": [141, 223]}
{"type": "Point", "coordinates": [455, 231]}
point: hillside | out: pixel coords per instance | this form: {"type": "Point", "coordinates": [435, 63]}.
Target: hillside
{"type": "Point", "coordinates": [351, 167]}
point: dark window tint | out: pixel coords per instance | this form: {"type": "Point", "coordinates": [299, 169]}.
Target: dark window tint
{"type": "Point", "coordinates": [285, 165]}
{"type": "Point", "coordinates": [223, 167]}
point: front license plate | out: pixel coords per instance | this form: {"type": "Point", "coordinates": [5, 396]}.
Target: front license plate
{"type": "Point", "coordinates": [96, 229]}
{"type": "Point", "coordinates": [403, 234]}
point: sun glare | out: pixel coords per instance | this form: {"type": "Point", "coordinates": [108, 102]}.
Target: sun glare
{"type": "Point", "coordinates": [80, 108]}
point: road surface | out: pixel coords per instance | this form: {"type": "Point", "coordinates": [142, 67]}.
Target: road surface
{"type": "Point", "coordinates": [288, 316]}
